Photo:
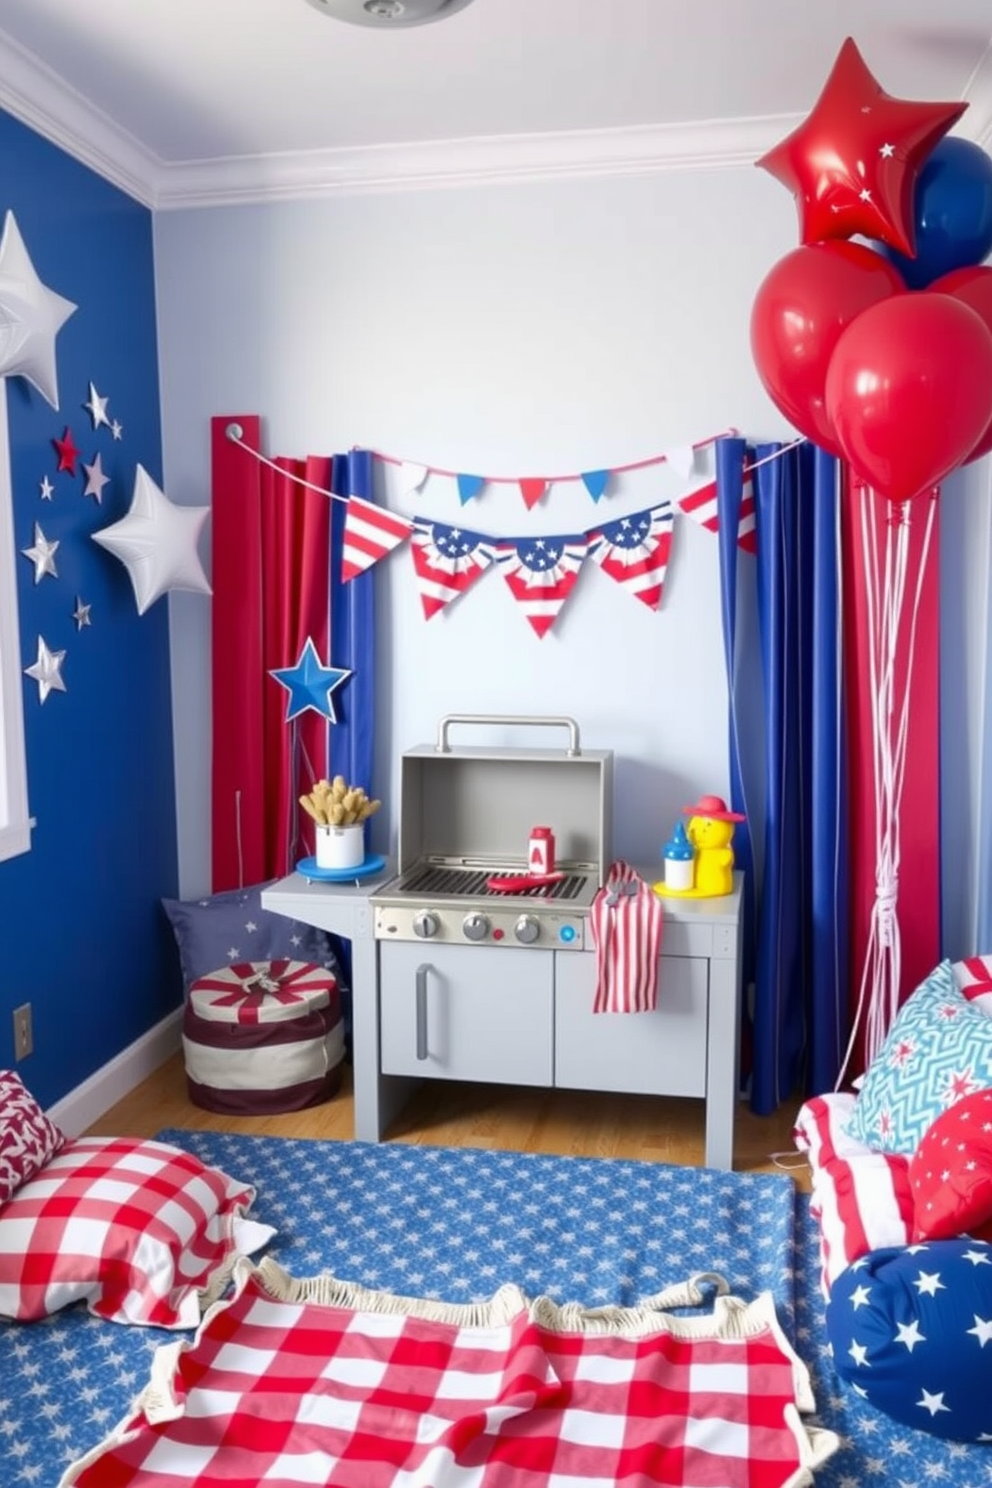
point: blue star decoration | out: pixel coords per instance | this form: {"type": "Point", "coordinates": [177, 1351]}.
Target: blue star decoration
{"type": "Point", "coordinates": [310, 684]}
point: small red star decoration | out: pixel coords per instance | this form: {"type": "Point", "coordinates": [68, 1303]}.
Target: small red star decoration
{"type": "Point", "coordinates": [67, 452]}
{"type": "Point", "coordinates": [852, 164]}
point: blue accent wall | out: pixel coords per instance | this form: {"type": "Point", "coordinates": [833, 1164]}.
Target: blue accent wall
{"type": "Point", "coordinates": [84, 939]}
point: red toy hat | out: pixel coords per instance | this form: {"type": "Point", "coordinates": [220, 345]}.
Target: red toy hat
{"type": "Point", "coordinates": [714, 807]}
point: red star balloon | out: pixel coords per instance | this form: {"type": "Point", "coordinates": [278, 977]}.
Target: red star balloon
{"type": "Point", "coordinates": [853, 162]}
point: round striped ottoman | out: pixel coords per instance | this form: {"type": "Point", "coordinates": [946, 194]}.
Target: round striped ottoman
{"type": "Point", "coordinates": [261, 1037]}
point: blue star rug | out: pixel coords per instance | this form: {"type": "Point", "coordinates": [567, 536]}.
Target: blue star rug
{"type": "Point", "coordinates": [456, 1223]}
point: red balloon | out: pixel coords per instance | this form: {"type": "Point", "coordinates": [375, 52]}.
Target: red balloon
{"type": "Point", "coordinates": [801, 307]}
{"type": "Point", "coordinates": [909, 390]}
{"type": "Point", "coordinates": [853, 162]}
{"type": "Point", "coordinates": [973, 287]}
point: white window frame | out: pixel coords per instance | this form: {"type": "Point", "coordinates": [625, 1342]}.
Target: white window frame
{"type": "Point", "coordinates": [15, 825]}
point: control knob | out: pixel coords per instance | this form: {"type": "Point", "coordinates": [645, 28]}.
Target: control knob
{"type": "Point", "coordinates": [425, 924]}
{"type": "Point", "coordinates": [527, 929]}
{"type": "Point", "coordinates": [475, 926]}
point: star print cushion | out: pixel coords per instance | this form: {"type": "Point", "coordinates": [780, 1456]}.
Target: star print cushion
{"type": "Point", "coordinates": [911, 1331]}
{"type": "Point", "coordinates": [140, 1231]}
{"type": "Point", "coordinates": [27, 1138]}
{"type": "Point", "coordinates": [938, 1050]}
{"type": "Point", "coordinates": [950, 1173]}
{"type": "Point", "coordinates": [230, 927]}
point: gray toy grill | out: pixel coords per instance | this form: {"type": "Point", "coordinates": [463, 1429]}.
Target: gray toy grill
{"type": "Point", "coordinates": [466, 814]}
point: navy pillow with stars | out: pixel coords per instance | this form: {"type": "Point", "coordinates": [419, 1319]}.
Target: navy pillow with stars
{"type": "Point", "coordinates": [910, 1330]}
{"type": "Point", "coordinates": [232, 926]}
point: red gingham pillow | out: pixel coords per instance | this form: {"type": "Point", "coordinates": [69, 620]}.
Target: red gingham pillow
{"type": "Point", "coordinates": [141, 1231]}
{"type": "Point", "coordinates": [27, 1137]}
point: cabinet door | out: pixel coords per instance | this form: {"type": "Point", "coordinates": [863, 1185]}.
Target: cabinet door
{"type": "Point", "coordinates": [657, 1053]}
{"type": "Point", "coordinates": [466, 1013]}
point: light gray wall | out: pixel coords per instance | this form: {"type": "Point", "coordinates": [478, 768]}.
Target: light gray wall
{"type": "Point", "coordinates": [516, 330]}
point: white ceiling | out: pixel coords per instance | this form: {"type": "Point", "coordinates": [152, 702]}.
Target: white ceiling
{"type": "Point", "coordinates": [200, 101]}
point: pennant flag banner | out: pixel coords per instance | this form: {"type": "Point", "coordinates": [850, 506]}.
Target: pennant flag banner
{"type": "Point", "coordinates": [413, 477]}
{"type": "Point", "coordinates": [595, 482]}
{"type": "Point", "coordinates": [681, 457]}
{"type": "Point", "coordinates": [447, 560]}
{"type": "Point", "coordinates": [469, 486]}
{"type": "Point", "coordinates": [541, 573]}
{"type": "Point", "coordinates": [701, 507]}
{"type": "Point", "coordinates": [532, 490]}
{"type": "Point", "coordinates": [635, 551]}
{"type": "Point", "coordinates": [370, 532]}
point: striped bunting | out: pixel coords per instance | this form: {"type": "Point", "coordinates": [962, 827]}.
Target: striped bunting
{"type": "Point", "coordinates": [447, 560]}
{"type": "Point", "coordinates": [701, 507]}
{"type": "Point", "coordinates": [541, 573]}
{"type": "Point", "coordinates": [635, 551]}
{"type": "Point", "coordinates": [370, 532]}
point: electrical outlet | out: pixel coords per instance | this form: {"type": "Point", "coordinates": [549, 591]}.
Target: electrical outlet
{"type": "Point", "coordinates": [23, 1035]}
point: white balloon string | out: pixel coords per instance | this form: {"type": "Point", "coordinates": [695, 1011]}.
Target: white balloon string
{"type": "Point", "coordinates": [886, 584]}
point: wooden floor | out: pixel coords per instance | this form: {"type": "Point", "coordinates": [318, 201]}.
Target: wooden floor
{"type": "Point", "coordinates": [575, 1123]}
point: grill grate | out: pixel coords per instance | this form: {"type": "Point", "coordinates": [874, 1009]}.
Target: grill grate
{"type": "Point", "coordinates": [431, 880]}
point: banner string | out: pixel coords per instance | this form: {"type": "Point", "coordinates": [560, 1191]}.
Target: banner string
{"type": "Point", "coordinates": [512, 480]}
{"type": "Point", "coordinates": [235, 434]}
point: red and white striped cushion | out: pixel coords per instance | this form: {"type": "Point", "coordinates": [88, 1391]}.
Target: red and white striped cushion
{"type": "Point", "coordinates": [141, 1231]}
{"type": "Point", "coordinates": [861, 1199]}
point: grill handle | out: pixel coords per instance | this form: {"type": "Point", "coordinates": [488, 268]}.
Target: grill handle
{"type": "Point", "coordinates": [524, 719]}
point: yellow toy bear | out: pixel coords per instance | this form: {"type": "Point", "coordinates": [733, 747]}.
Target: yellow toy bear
{"type": "Point", "coordinates": [710, 830]}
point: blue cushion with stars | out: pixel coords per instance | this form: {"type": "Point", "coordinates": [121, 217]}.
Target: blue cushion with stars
{"type": "Point", "coordinates": [938, 1049]}
{"type": "Point", "coordinates": [910, 1330]}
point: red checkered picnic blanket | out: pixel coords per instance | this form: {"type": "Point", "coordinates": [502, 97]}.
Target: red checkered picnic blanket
{"type": "Point", "coordinates": [322, 1382]}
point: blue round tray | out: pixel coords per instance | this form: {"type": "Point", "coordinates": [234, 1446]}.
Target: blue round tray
{"type": "Point", "coordinates": [308, 867]}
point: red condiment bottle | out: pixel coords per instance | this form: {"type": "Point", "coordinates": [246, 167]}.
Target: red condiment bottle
{"type": "Point", "coordinates": [541, 851]}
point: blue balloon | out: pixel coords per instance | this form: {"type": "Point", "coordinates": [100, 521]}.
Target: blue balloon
{"type": "Point", "coordinates": [952, 213]}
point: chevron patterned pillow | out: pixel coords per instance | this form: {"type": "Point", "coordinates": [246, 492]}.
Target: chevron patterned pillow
{"type": "Point", "coordinates": [938, 1049]}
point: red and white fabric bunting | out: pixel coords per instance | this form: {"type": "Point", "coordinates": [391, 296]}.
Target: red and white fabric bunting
{"type": "Point", "coordinates": [370, 532]}
{"type": "Point", "coordinates": [701, 507]}
{"type": "Point", "coordinates": [635, 551]}
{"type": "Point", "coordinates": [447, 560]}
{"type": "Point", "coordinates": [541, 573]}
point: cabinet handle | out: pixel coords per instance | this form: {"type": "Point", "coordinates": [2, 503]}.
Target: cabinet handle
{"type": "Point", "coordinates": [422, 1011]}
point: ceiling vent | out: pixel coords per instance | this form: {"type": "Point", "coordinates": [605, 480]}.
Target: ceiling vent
{"type": "Point", "coordinates": [389, 15]}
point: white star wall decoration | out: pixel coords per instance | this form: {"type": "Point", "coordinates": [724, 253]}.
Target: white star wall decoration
{"type": "Point", "coordinates": [96, 407]}
{"type": "Point", "coordinates": [156, 542]}
{"type": "Point", "coordinates": [42, 555]}
{"type": "Point", "coordinates": [31, 316]}
{"type": "Point", "coordinates": [47, 671]}
{"type": "Point", "coordinates": [95, 479]}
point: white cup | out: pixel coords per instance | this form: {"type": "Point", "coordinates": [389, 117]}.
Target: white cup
{"type": "Point", "coordinates": [340, 847]}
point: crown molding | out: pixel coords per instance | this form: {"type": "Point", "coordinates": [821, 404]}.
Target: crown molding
{"type": "Point", "coordinates": [38, 97]}
{"type": "Point", "coordinates": [481, 161]}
